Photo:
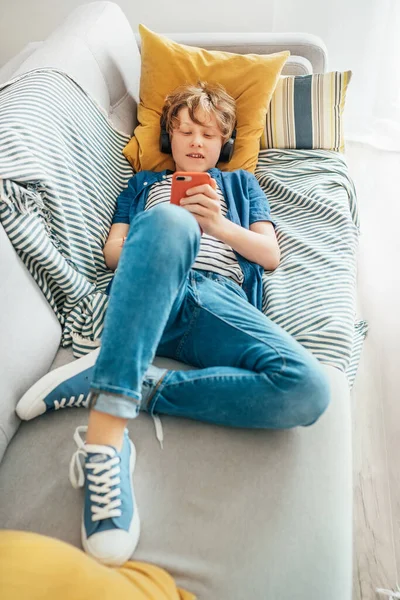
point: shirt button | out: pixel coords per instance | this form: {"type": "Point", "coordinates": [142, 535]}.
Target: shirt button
{"type": "Point", "coordinates": [145, 183]}
{"type": "Point", "coordinates": [164, 176]}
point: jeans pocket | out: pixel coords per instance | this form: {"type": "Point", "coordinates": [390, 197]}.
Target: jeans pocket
{"type": "Point", "coordinates": [231, 285]}
{"type": "Point", "coordinates": [197, 279]}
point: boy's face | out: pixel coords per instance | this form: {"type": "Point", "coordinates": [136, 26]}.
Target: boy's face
{"type": "Point", "coordinates": [196, 147]}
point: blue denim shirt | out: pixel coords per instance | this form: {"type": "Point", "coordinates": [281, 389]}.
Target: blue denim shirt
{"type": "Point", "coordinates": [246, 202]}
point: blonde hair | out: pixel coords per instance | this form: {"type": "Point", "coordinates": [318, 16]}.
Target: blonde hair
{"type": "Point", "coordinates": [212, 98]}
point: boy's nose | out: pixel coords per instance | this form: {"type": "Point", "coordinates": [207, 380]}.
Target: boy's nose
{"type": "Point", "coordinates": [197, 140]}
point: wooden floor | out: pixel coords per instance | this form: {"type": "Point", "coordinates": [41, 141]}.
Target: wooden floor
{"type": "Point", "coordinates": [376, 394]}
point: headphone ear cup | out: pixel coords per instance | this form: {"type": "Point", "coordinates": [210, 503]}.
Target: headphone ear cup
{"type": "Point", "coordinates": [228, 148]}
{"type": "Point", "coordinates": [165, 142]}
{"type": "Point", "coordinates": [227, 151]}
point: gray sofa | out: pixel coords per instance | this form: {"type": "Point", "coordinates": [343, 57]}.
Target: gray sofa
{"type": "Point", "coordinates": [231, 514]}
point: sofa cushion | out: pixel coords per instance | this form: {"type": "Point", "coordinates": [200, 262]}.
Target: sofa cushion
{"type": "Point", "coordinates": [229, 513]}
{"type": "Point", "coordinates": [306, 112]}
{"type": "Point", "coordinates": [250, 79]}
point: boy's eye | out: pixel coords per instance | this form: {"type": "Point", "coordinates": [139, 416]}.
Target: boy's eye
{"type": "Point", "coordinates": [207, 135]}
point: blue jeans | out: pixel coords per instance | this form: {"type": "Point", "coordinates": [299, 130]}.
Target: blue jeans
{"type": "Point", "coordinates": [251, 372]}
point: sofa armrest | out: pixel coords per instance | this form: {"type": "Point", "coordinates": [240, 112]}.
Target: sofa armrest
{"type": "Point", "coordinates": [95, 45]}
{"type": "Point", "coordinates": [30, 336]}
{"type": "Point", "coordinates": [8, 69]}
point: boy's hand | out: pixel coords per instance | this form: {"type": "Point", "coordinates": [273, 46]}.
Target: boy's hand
{"type": "Point", "coordinates": [204, 204]}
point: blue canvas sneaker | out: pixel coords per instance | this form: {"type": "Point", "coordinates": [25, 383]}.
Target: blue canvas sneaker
{"type": "Point", "coordinates": [64, 387]}
{"type": "Point", "coordinates": [69, 386]}
{"type": "Point", "coordinates": [110, 523]}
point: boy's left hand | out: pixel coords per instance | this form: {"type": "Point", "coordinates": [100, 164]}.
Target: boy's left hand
{"type": "Point", "coordinates": [204, 204]}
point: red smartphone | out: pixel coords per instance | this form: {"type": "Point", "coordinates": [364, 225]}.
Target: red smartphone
{"type": "Point", "coordinates": [183, 181]}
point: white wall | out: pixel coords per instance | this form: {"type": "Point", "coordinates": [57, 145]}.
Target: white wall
{"type": "Point", "coordinates": [363, 36]}
{"type": "Point", "coordinates": [24, 21]}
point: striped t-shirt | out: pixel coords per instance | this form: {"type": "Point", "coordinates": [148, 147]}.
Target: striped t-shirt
{"type": "Point", "coordinates": [214, 255]}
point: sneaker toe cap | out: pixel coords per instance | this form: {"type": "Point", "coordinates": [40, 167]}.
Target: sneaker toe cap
{"type": "Point", "coordinates": [112, 547]}
{"type": "Point", "coordinates": [30, 407]}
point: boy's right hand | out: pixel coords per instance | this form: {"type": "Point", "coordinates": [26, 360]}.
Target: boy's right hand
{"type": "Point", "coordinates": [203, 202]}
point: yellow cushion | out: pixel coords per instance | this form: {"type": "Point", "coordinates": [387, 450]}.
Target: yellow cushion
{"type": "Point", "coordinates": [42, 568]}
{"type": "Point", "coordinates": [249, 78]}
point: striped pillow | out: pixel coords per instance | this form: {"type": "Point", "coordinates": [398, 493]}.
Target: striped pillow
{"type": "Point", "coordinates": [306, 111]}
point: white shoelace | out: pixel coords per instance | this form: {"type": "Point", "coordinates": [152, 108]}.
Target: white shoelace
{"type": "Point", "coordinates": [99, 484]}
{"type": "Point", "coordinates": [82, 400]}
{"type": "Point", "coordinates": [159, 429]}
{"type": "Point", "coordinates": [392, 595]}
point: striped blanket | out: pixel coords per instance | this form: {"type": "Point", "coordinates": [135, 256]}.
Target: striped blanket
{"type": "Point", "coordinates": [312, 294]}
{"type": "Point", "coordinates": [62, 168]}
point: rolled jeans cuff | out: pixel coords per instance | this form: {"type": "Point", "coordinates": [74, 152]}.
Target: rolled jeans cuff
{"type": "Point", "coordinates": [114, 404]}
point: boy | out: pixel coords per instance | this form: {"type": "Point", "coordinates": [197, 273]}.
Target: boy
{"type": "Point", "coordinates": [193, 298]}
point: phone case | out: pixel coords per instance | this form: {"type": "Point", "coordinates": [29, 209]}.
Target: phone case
{"type": "Point", "coordinates": [183, 181]}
